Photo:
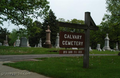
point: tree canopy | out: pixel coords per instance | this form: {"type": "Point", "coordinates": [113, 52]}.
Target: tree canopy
{"type": "Point", "coordinates": [20, 12]}
{"type": "Point", "coordinates": [75, 21]}
{"type": "Point", "coordinates": [111, 21]}
{"type": "Point", "coordinates": [3, 33]}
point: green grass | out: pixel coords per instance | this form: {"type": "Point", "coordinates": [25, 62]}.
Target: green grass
{"type": "Point", "coordinates": [27, 50]}
{"type": "Point", "coordinates": [104, 52]}
{"type": "Point", "coordinates": [72, 67]}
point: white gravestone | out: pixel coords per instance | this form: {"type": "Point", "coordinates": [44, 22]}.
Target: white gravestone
{"type": "Point", "coordinates": [17, 43]}
{"type": "Point", "coordinates": [40, 43]}
{"type": "Point", "coordinates": [28, 45]}
{"type": "Point", "coordinates": [98, 47]}
{"type": "Point", "coordinates": [57, 41]}
{"type": "Point", "coordinates": [106, 47]}
{"type": "Point", "coordinates": [0, 44]}
{"type": "Point", "coordinates": [116, 47]}
{"type": "Point", "coordinates": [6, 42]}
{"type": "Point", "coordinates": [90, 49]}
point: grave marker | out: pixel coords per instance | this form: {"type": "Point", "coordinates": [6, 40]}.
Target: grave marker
{"type": "Point", "coordinates": [23, 42]}
{"type": "Point", "coordinates": [107, 47]}
{"type": "Point", "coordinates": [57, 41]}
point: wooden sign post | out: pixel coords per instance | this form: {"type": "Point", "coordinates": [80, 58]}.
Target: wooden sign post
{"type": "Point", "coordinates": [89, 25]}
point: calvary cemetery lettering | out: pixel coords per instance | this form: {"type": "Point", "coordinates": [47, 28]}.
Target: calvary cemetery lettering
{"type": "Point", "coordinates": [69, 39]}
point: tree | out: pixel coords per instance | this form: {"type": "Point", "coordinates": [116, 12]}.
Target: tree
{"type": "Point", "coordinates": [3, 33]}
{"type": "Point", "coordinates": [97, 37]}
{"type": "Point", "coordinates": [15, 33]}
{"type": "Point", "coordinates": [52, 22]}
{"type": "Point", "coordinates": [20, 12]}
{"type": "Point", "coordinates": [75, 21]}
{"type": "Point", "coordinates": [13, 37]}
{"type": "Point", "coordinates": [34, 33]}
{"type": "Point", "coordinates": [112, 20]}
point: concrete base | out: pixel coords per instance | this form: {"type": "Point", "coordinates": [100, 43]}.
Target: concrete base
{"type": "Point", "coordinates": [107, 48]}
{"type": "Point", "coordinates": [47, 46]}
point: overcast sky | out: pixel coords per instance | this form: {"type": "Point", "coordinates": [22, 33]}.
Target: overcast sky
{"type": "Point", "coordinates": [70, 9]}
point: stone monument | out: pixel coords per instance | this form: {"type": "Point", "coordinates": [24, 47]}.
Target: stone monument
{"type": "Point", "coordinates": [0, 44]}
{"type": "Point", "coordinates": [57, 41]}
{"type": "Point", "coordinates": [106, 47]}
{"type": "Point", "coordinates": [48, 42]}
{"type": "Point", "coordinates": [40, 43]}
{"type": "Point", "coordinates": [117, 49]}
{"type": "Point", "coordinates": [6, 42]}
{"type": "Point", "coordinates": [28, 45]}
{"type": "Point", "coordinates": [90, 49]}
{"type": "Point", "coordinates": [23, 42]}
{"type": "Point", "coordinates": [98, 47]}
{"type": "Point", "coordinates": [17, 43]}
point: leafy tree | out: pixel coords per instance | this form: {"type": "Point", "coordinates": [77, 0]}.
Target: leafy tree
{"type": "Point", "coordinates": [22, 32]}
{"type": "Point", "coordinates": [97, 37]}
{"type": "Point", "coordinates": [13, 36]}
{"type": "Point", "coordinates": [20, 12]}
{"type": "Point", "coordinates": [112, 20]}
{"type": "Point", "coordinates": [15, 33]}
{"type": "Point", "coordinates": [3, 33]}
{"type": "Point", "coordinates": [75, 21]}
{"type": "Point", "coordinates": [52, 22]}
{"type": "Point", "coordinates": [34, 33]}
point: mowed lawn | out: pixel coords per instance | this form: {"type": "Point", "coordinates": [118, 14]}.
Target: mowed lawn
{"type": "Point", "coordinates": [32, 50]}
{"type": "Point", "coordinates": [26, 50]}
{"type": "Point", "coordinates": [72, 67]}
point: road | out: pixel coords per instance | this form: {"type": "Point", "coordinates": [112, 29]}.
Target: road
{"type": "Point", "coordinates": [23, 57]}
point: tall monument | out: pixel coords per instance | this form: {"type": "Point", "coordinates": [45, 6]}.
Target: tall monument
{"type": "Point", "coordinates": [57, 41]}
{"type": "Point", "coordinates": [107, 47]}
{"type": "Point", "coordinates": [48, 42]}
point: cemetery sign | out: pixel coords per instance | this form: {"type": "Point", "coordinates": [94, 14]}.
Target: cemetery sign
{"type": "Point", "coordinates": [69, 39]}
{"type": "Point", "coordinates": [89, 25]}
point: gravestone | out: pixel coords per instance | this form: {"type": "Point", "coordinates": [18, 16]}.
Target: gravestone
{"type": "Point", "coordinates": [48, 42]}
{"type": "Point", "coordinates": [107, 47]}
{"type": "Point", "coordinates": [0, 44]}
{"type": "Point", "coordinates": [116, 47]}
{"type": "Point", "coordinates": [90, 49]}
{"type": "Point", "coordinates": [23, 42]}
{"type": "Point", "coordinates": [98, 47]}
{"type": "Point", "coordinates": [17, 43]}
{"type": "Point", "coordinates": [6, 42]}
{"type": "Point", "coordinates": [40, 43]}
{"type": "Point", "coordinates": [57, 41]}
{"type": "Point", "coordinates": [28, 45]}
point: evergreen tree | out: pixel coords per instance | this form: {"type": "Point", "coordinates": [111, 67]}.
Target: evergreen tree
{"type": "Point", "coordinates": [52, 22]}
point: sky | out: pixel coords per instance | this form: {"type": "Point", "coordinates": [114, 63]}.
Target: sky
{"type": "Point", "coordinates": [70, 9]}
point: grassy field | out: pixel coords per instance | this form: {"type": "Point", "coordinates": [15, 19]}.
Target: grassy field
{"type": "Point", "coordinates": [72, 67]}
{"type": "Point", "coordinates": [27, 50]}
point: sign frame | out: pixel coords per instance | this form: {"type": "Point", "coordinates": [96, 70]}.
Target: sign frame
{"type": "Point", "coordinates": [89, 25]}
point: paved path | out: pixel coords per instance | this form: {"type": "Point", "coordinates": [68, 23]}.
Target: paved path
{"type": "Point", "coordinates": [22, 57]}
{"type": "Point", "coordinates": [9, 72]}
